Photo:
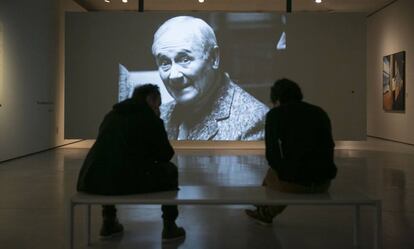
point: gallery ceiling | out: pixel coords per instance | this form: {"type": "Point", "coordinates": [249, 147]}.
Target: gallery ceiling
{"type": "Point", "coordinates": [367, 6]}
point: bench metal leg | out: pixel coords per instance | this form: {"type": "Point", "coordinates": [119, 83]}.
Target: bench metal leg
{"type": "Point", "coordinates": [357, 219]}
{"type": "Point", "coordinates": [378, 226]}
{"type": "Point", "coordinates": [88, 224]}
{"type": "Point", "coordinates": [70, 225]}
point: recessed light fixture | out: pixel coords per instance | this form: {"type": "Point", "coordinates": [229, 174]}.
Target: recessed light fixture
{"type": "Point", "coordinates": [318, 1]}
{"type": "Point", "coordinates": [107, 1]}
{"type": "Point", "coordinates": [124, 1]}
{"type": "Point", "coordinates": [201, 1]}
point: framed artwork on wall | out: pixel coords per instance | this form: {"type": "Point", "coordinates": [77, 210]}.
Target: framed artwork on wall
{"type": "Point", "coordinates": [393, 82]}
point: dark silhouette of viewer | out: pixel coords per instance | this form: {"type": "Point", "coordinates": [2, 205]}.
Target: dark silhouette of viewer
{"type": "Point", "coordinates": [299, 148]}
{"type": "Point", "coordinates": [132, 155]}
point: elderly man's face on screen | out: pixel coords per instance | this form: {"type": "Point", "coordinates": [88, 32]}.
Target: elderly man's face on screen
{"type": "Point", "coordinates": [184, 63]}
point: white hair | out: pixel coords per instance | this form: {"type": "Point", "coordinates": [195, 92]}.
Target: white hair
{"type": "Point", "coordinates": [196, 26]}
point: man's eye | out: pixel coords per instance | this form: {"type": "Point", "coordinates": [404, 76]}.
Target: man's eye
{"type": "Point", "coordinates": [164, 64]}
{"type": "Point", "coordinates": [184, 59]}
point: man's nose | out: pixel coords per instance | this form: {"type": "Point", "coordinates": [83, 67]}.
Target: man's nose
{"type": "Point", "coordinates": [175, 72]}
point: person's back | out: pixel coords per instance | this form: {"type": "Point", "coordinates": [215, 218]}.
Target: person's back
{"type": "Point", "coordinates": [132, 155]}
{"type": "Point", "coordinates": [299, 148]}
{"type": "Point", "coordinates": [131, 139]}
{"type": "Point", "coordinates": [306, 147]}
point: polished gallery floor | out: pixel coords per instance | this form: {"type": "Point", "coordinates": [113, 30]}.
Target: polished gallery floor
{"type": "Point", "coordinates": [34, 189]}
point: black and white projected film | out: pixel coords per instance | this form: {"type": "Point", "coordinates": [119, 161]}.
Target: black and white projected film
{"type": "Point", "coordinates": [214, 70]}
{"type": "Point", "coordinates": [200, 100]}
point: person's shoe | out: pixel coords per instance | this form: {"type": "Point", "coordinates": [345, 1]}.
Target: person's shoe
{"type": "Point", "coordinates": [172, 233]}
{"type": "Point", "coordinates": [256, 216]}
{"type": "Point", "coordinates": [111, 228]}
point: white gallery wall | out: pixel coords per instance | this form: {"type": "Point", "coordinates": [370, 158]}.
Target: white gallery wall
{"type": "Point", "coordinates": [30, 95]}
{"type": "Point", "coordinates": [30, 58]}
{"type": "Point", "coordinates": [389, 31]}
{"type": "Point", "coordinates": [59, 120]}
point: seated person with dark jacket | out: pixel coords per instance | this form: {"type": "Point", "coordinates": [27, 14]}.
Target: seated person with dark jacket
{"type": "Point", "coordinates": [132, 155]}
{"type": "Point", "coordinates": [299, 148]}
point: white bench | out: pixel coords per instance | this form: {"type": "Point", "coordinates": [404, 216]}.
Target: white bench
{"type": "Point", "coordinates": [212, 195]}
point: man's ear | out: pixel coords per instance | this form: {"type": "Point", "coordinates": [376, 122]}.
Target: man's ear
{"type": "Point", "coordinates": [215, 57]}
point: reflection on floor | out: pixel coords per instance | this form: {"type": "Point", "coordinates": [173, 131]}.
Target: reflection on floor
{"type": "Point", "coordinates": [34, 190]}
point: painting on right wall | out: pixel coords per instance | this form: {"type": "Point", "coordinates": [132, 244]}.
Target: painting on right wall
{"type": "Point", "coordinates": [393, 82]}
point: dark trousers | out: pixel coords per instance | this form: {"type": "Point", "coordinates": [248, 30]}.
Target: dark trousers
{"type": "Point", "coordinates": [161, 177]}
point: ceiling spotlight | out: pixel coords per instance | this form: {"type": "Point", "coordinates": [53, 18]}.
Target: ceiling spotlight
{"type": "Point", "coordinates": [318, 1]}
{"type": "Point", "coordinates": [124, 1]}
{"type": "Point", "coordinates": [201, 1]}
{"type": "Point", "coordinates": [107, 1]}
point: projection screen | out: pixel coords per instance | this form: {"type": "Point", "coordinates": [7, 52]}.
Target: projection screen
{"type": "Point", "coordinates": [214, 70]}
